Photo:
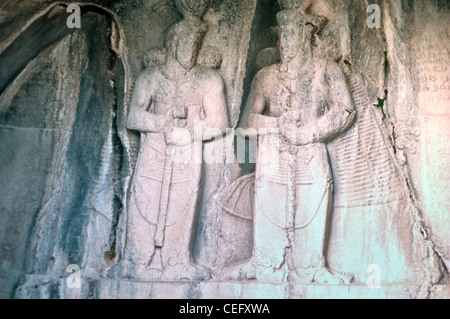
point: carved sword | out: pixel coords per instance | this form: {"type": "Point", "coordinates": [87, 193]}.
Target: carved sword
{"type": "Point", "coordinates": [164, 198]}
{"type": "Point", "coordinates": [165, 188]}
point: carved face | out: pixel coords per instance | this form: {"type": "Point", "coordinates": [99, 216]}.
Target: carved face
{"type": "Point", "coordinates": [187, 51]}
{"type": "Point", "coordinates": [290, 45]}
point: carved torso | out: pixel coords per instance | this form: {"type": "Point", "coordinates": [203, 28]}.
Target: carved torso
{"type": "Point", "coordinates": [187, 91]}
{"type": "Point", "coordinates": [305, 92]}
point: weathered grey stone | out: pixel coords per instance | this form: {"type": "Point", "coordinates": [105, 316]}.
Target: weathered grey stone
{"type": "Point", "coordinates": [44, 287]}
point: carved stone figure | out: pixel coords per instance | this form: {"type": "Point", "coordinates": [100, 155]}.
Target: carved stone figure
{"type": "Point", "coordinates": [307, 100]}
{"type": "Point", "coordinates": [168, 102]}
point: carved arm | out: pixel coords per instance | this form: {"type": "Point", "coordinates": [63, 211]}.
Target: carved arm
{"type": "Point", "coordinates": [336, 121]}
{"type": "Point", "coordinates": [252, 117]}
{"type": "Point", "coordinates": [139, 119]}
{"type": "Point", "coordinates": [215, 107]}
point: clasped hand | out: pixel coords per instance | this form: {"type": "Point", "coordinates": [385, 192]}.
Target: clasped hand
{"type": "Point", "coordinates": [290, 126]}
{"type": "Point", "coordinates": [174, 128]}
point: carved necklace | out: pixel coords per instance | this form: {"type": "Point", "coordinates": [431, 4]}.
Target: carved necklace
{"type": "Point", "coordinates": [287, 94]}
{"type": "Point", "coordinates": [289, 82]}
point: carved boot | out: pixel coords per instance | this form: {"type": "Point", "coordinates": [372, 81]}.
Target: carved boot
{"type": "Point", "coordinates": [188, 272]}
{"type": "Point", "coordinates": [241, 272]}
{"type": "Point", "coordinates": [273, 274]}
{"type": "Point", "coordinates": [345, 276]}
{"type": "Point", "coordinates": [327, 276]}
{"type": "Point", "coordinates": [128, 270]}
{"type": "Point", "coordinates": [195, 273]}
{"type": "Point", "coordinates": [179, 267]}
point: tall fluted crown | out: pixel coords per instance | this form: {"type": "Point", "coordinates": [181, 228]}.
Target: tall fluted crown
{"type": "Point", "coordinates": [293, 12]}
{"type": "Point", "coordinates": [291, 4]}
{"type": "Point", "coordinates": [193, 8]}
{"type": "Point", "coordinates": [189, 25]}
{"type": "Point", "coordinates": [290, 17]}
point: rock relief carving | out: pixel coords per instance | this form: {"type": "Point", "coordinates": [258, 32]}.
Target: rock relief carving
{"type": "Point", "coordinates": [170, 97]}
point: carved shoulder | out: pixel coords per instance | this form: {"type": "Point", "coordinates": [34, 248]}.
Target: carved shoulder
{"type": "Point", "coordinates": [143, 80]}
{"type": "Point", "coordinates": [150, 72]}
{"type": "Point", "coordinates": [264, 78]}
{"type": "Point", "coordinates": [214, 98]}
{"type": "Point", "coordinates": [211, 76]}
{"type": "Point", "coordinates": [268, 71]}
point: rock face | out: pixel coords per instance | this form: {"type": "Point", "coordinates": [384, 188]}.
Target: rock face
{"type": "Point", "coordinates": [224, 149]}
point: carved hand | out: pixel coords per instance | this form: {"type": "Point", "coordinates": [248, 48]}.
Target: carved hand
{"type": "Point", "coordinates": [288, 133]}
{"type": "Point", "coordinates": [175, 117]}
{"type": "Point", "coordinates": [288, 124]}
{"type": "Point", "coordinates": [178, 136]}
{"type": "Point", "coordinates": [304, 137]}
{"type": "Point", "coordinates": [179, 112]}
{"type": "Point", "coordinates": [296, 135]}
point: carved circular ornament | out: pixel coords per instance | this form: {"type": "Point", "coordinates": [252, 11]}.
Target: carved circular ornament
{"type": "Point", "coordinates": [195, 8]}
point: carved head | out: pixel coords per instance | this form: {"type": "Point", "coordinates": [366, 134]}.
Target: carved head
{"type": "Point", "coordinates": [290, 29]}
{"type": "Point", "coordinates": [184, 40]}
{"type": "Point", "coordinates": [315, 11]}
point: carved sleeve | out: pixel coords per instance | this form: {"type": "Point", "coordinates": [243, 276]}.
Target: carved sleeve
{"type": "Point", "coordinates": [339, 117]}
{"type": "Point", "coordinates": [215, 119]}
{"type": "Point", "coordinates": [340, 93]}
{"type": "Point", "coordinates": [139, 119]}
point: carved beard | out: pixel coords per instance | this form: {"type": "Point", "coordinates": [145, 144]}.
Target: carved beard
{"type": "Point", "coordinates": [290, 44]}
{"type": "Point", "coordinates": [301, 48]}
{"type": "Point", "coordinates": [289, 55]}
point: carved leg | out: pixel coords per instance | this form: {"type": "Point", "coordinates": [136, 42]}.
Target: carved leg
{"type": "Point", "coordinates": [140, 250]}
{"type": "Point", "coordinates": [310, 239]}
{"type": "Point", "coordinates": [180, 227]}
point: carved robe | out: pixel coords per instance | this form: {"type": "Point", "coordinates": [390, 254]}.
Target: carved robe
{"type": "Point", "coordinates": [161, 92]}
{"type": "Point", "coordinates": [293, 187]}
